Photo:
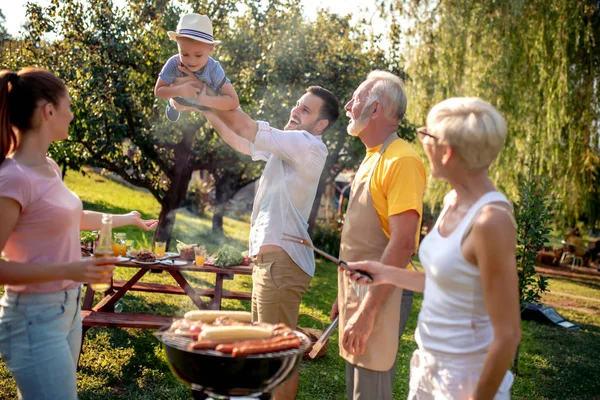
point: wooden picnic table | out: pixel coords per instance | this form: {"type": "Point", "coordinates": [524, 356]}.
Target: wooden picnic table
{"type": "Point", "coordinates": [102, 313]}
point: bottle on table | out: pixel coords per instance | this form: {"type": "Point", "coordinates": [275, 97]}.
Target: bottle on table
{"type": "Point", "coordinates": [104, 248]}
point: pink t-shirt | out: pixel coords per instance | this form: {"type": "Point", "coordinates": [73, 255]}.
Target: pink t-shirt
{"type": "Point", "coordinates": [47, 230]}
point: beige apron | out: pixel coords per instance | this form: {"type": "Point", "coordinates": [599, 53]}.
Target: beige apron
{"type": "Point", "coordinates": [364, 239]}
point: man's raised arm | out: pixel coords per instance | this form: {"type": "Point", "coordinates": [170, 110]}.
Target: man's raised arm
{"type": "Point", "coordinates": [240, 123]}
{"type": "Point", "coordinates": [236, 142]}
{"type": "Point", "coordinates": [237, 120]}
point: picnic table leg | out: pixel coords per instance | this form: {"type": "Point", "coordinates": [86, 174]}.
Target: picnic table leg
{"type": "Point", "coordinates": [84, 330]}
{"type": "Point", "coordinates": [87, 305]}
{"type": "Point", "coordinates": [109, 301]}
{"type": "Point", "coordinates": [189, 290]}
{"type": "Point", "coordinates": [88, 298]}
{"type": "Point", "coordinates": [216, 301]}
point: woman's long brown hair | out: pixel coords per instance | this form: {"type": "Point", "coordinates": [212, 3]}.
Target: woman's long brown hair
{"type": "Point", "coordinates": [20, 94]}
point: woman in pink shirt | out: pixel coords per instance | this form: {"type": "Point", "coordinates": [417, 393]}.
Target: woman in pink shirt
{"type": "Point", "coordinates": [42, 270]}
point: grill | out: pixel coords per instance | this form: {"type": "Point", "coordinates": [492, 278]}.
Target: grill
{"type": "Point", "coordinates": [210, 373]}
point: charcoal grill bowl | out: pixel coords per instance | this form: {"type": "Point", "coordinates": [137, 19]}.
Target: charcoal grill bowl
{"type": "Point", "coordinates": [222, 375]}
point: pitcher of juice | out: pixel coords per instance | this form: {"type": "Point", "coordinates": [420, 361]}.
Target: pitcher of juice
{"type": "Point", "coordinates": [104, 248]}
{"type": "Point", "coordinates": [119, 245]}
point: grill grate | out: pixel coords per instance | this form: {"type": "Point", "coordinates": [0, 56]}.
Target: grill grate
{"type": "Point", "coordinates": [182, 342]}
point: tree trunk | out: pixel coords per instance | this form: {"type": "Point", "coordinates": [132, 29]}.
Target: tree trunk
{"type": "Point", "coordinates": [217, 221]}
{"type": "Point", "coordinates": [330, 170]}
{"type": "Point", "coordinates": [180, 176]}
{"type": "Point", "coordinates": [223, 192]}
{"type": "Point", "coordinates": [166, 223]}
{"type": "Point", "coordinates": [314, 212]}
{"type": "Point", "coordinates": [170, 204]}
{"type": "Point", "coordinates": [227, 183]}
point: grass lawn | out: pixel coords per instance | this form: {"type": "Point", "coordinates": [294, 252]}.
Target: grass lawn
{"type": "Point", "coordinates": [129, 363]}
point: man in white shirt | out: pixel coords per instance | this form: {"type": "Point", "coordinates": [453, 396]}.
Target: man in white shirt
{"type": "Point", "coordinates": [287, 188]}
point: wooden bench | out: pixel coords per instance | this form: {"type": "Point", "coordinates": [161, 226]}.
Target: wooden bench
{"type": "Point", "coordinates": [124, 320]}
{"type": "Point", "coordinates": [172, 289]}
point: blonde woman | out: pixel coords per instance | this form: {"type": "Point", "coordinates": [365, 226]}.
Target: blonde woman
{"type": "Point", "coordinates": [469, 324]}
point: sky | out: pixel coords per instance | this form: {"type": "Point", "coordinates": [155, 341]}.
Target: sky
{"type": "Point", "coordinates": [14, 10]}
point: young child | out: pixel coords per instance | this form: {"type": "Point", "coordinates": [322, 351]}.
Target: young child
{"type": "Point", "coordinates": [195, 41]}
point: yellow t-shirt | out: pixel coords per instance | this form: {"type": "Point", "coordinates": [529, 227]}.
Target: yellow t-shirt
{"type": "Point", "coordinates": [398, 181]}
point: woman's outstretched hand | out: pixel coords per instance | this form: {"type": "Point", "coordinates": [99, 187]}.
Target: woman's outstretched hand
{"type": "Point", "coordinates": [143, 224]}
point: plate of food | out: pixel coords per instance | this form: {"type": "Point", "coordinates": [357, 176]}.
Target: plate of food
{"type": "Point", "coordinates": [186, 251]}
{"type": "Point", "coordinates": [143, 256]}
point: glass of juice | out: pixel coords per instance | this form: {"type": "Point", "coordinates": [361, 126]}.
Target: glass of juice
{"type": "Point", "coordinates": [160, 248]}
{"type": "Point", "coordinates": [200, 253]}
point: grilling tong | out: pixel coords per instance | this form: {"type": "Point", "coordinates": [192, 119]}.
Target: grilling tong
{"type": "Point", "coordinates": [308, 243]}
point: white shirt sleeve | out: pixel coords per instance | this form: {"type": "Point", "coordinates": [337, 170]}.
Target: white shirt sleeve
{"type": "Point", "coordinates": [258, 155]}
{"type": "Point", "coordinates": [293, 147]}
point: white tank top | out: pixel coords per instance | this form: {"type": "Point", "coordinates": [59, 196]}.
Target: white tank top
{"type": "Point", "coordinates": [453, 317]}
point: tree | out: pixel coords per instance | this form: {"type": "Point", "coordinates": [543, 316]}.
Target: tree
{"type": "Point", "coordinates": [4, 36]}
{"type": "Point", "coordinates": [538, 61]}
{"type": "Point", "coordinates": [533, 212]}
{"type": "Point", "coordinates": [110, 58]}
{"type": "Point", "coordinates": [295, 54]}
{"type": "Point", "coordinates": [3, 31]}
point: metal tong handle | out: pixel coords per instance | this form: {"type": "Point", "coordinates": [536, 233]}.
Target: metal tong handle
{"type": "Point", "coordinates": [339, 262]}
{"type": "Point", "coordinates": [343, 264]}
{"type": "Point", "coordinates": [324, 337]}
{"type": "Point", "coordinates": [361, 272]}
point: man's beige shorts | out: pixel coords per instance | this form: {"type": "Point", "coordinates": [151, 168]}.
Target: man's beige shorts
{"type": "Point", "coordinates": [278, 284]}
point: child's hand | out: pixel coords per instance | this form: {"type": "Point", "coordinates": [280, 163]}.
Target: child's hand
{"type": "Point", "coordinates": [202, 95]}
{"type": "Point", "coordinates": [189, 90]}
{"type": "Point", "coordinates": [188, 73]}
{"type": "Point", "coordinates": [189, 76]}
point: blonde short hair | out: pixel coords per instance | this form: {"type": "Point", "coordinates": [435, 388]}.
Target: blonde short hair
{"type": "Point", "coordinates": [473, 128]}
{"type": "Point", "coordinates": [388, 89]}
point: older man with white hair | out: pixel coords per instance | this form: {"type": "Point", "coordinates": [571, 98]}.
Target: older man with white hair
{"type": "Point", "coordinates": [381, 224]}
{"type": "Point", "coordinates": [469, 326]}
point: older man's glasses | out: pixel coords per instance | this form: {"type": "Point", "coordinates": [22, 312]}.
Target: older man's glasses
{"type": "Point", "coordinates": [422, 132]}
